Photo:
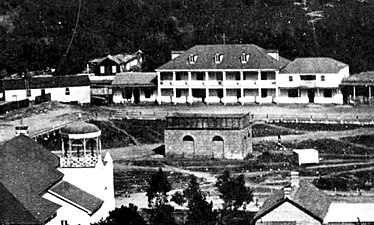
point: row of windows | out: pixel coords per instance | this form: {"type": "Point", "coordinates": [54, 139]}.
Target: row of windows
{"type": "Point", "coordinates": [114, 69]}
{"type": "Point", "coordinates": [216, 75]}
{"type": "Point", "coordinates": [295, 93]}
{"type": "Point", "coordinates": [307, 78]}
{"type": "Point", "coordinates": [244, 58]}
{"type": "Point", "coordinates": [42, 92]}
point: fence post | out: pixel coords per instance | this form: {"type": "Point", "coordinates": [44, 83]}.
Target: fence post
{"type": "Point", "coordinates": [267, 118]}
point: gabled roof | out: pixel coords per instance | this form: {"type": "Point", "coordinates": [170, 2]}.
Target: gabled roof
{"type": "Point", "coordinates": [134, 79]}
{"type": "Point", "coordinates": [119, 58]}
{"type": "Point", "coordinates": [306, 196]}
{"type": "Point", "coordinates": [45, 82]}
{"type": "Point", "coordinates": [258, 58]}
{"type": "Point", "coordinates": [27, 170]}
{"type": "Point", "coordinates": [314, 65]}
{"type": "Point", "coordinates": [73, 194]}
{"type": "Point", "coordinates": [362, 78]}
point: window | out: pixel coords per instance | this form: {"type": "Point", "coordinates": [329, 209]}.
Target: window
{"type": "Point", "coordinates": [28, 92]}
{"type": "Point", "coordinates": [64, 222]}
{"type": "Point", "coordinates": [147, 93]}
{"type": "Point", "coordinates": [323, 78]}
{"type": "Point", "coordinates": [233, 75]}
{"type": "Point", "coordinates": [218, 58]}
{"type": "Point", "coordinates": [250, 75]}
{"type": "Point", "coordinates": [42, 92]}
{"type": "Point", "coordinates": [67, 91]}
{"type": "Point", "coordinates": [307, 77]}
{"type": "Point", "coordinates": [267, 75]}
{"type": "Point", "coordinates": [197, 75]}
{"type": "Point", "coordinates": [244, 58]}
{"type": "Point", "coordinates": [183, 75]}
{"type": "Point", "coordinates": [192, 59]}
{"type": "Point", "coordinates": [327, 93]}
{"type": "Point", "coordinates": [293, 93]}
{"type": "Point", "coordinates": [264, 93]}
{"type": "Point", "coordinates": [178, 93]}
{"type": "Point", "coordinates": [102, 69]}
{"type": "Point", "coordinates": [290, 78]}
{"type": "Point", "coordinates": [114, 69]}
{"type": "Point", "coordinates": [166, 76]}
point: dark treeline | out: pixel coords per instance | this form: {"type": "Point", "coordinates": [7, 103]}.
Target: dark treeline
{"type": "Point", "coordinates": [35, 34]}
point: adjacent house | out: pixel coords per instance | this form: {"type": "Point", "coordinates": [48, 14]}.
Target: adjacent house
{"type": "Point", "coordinates": [103, 70]}
{"type": "Point", "coordinates": [72, 88]}
{"type": "Point", "coordinates": [134, 87]}
{"type": "Point", "coordinates": [311, 80]}
{"type": "Point", "coordinates": [39, 187]}
{"type": "Point", "coordinates": [303, 203]}
{"type": "Point", "coordinates": [358, 88]}
{"type": "Point", "coordinates": [113, 64]}
{"type": "Point", "coordinates": [242, 73]}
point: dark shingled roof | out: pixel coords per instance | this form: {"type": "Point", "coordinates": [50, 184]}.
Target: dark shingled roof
{"type": "Point", "coordinates": [134, 79]}
{"type": "Point", "coordinates": [80, 127]}
{"type": "Point", "coordinates": [258, 58]}
{"type": "Point", "coordinates": [72, 193]}
{"type": "Point", "coordinates": [307, 197]}
{"type": "Point", "coordinates": [12, 210]}
{"type": "Point", "coordinates": [364, 78]}
{"type": "Point", "coordinates": [27, 171]}
{"type": "Point", "coordinates": [314, 65]}
{"type": "Point", "coordinates": [46, 82]}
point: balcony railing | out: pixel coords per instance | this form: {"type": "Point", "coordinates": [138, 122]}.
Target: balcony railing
{"type": "Point", "coordinates": [82, 161]}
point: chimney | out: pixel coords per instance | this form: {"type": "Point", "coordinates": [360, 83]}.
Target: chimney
{"type": "Point", "coordinates": [287, 192]}
{"type": "Point", "coordinates": [22, 129]}
{"type": "Point", "coordinates": [295, 180]}
{"type": "Point", "coordinates": [273, 53]}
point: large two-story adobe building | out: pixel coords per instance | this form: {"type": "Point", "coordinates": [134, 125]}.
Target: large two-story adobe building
{"type": "Point", "coordinates": [246, 73]}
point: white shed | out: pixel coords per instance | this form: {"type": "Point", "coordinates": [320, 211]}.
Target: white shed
{"type": "Point", "coordinates": [306, 156]}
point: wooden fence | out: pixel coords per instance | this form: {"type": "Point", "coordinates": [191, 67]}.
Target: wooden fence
{"type": "Point", "coordinates": [362, 119]}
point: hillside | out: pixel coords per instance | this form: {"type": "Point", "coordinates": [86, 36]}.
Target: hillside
{"type": "Point", "coordinates": [36, 34]}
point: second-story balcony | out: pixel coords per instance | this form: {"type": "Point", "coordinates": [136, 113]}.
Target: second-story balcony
{"type": "Point", "coordinates": [308, 83]}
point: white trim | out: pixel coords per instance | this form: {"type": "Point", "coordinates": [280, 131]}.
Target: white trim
{"type": "Point", "coordinates": [81, 136]}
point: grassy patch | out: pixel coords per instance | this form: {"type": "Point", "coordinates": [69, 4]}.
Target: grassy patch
{"type": "Point", "coordinates": [367, 140]}
{"type": "Point", "coordinates": [263, 130]}
{"type": "Point", "coordinates": [320, 126]}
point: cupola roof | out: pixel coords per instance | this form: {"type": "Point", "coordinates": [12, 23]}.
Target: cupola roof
{"type": "Point", "coordinates": [80, 127]}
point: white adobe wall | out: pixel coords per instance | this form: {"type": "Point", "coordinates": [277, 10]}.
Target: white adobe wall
{"type": "Point", "coordinates": [287, 213]}
{"type": "Point", "coordinates": [80, 94]}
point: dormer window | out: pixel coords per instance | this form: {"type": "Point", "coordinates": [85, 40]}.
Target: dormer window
{"type": "Point", "coordinates": [218, 58]}
{"type": "Point", "coordinates": [192, 59]}
{"type": "Point", "coordinates": [244, 58]}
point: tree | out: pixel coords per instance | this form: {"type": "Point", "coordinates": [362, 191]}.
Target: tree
{"type": "Point", "coordinates": [123, 216]}
{"type": "Point", "coordinates": [199, 210]}
{"type": "Point", "coordinates": [233, 191]}
{"type": "Point", "coordinates": [161, 211]}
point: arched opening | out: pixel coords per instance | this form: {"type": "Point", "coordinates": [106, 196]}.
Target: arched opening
{"type": "Point", "coordinates": [218, 147]}
{"type": "Point", "coordinates": [77, 148]}
{"type": "Point", "coordinates": [91, 146]}
{"type": "Point", "coordinates": [189, 145]}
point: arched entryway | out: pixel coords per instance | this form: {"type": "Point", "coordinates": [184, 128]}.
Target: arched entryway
{"type": "Point", "coordinates": [189, 145]}
{"type": "Point", "coordinates": [218, 147]}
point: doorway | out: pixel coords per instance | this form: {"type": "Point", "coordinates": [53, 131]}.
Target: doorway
{"type": "Point", "coordinates": [311, 95]}
{"type": "Point", "coordinates": [136, 93]}
{"type": "Point", "coordinates": [218, 147]}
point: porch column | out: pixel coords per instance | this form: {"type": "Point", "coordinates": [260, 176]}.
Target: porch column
{"type": "Point", "coordinates": [84, 147]}
{"type": "Point", "coordinates": [354, 93]}
{"type": "Point", "coordinates": [206, 87]}
{"type": "Point", "coordinates": [369, 94]}
{"type": "Point", "coordinates": [224, 87]}
{"type": "Point", "coordinates": [70, 147]}
{"type": "Point", "coordinates": [62, 147]}
{"type": "Point", "coordinates": [158, 98]}
{"type": "Point", "coordinates": [241, 88]}
{"type": "Point", "coordinates": [189, 97]}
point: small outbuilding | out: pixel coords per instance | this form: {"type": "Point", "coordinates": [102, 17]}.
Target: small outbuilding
{"type": "Point", "coordinates": [305, 156]}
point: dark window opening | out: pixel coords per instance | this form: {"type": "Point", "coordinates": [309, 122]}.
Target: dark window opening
{"type": "Point", "coordinates": [290, 78]}
{"type": "Point", "coordinates": [67, 91]}
{"type": "Point", "coordinates": [267, 75]}
{"type": "Point", "coordinates": [188, 138]}
{"type": "Point", "coordinates": [147, 93]}
{"type": "Point", "coordinates": [322, 78]}
{"type": "Point", "coordinates": [327, 93]}
{"type": "Point", "coordinates": [166, 76]}
{"type": "Point", "coordinates": [293, 93]}
{"type": "Point", "coordinates": [307, 77]}
{"type": "Point", "coordinates": [264, 93]}
{"type": "Point", "coordinates": [217, 138]}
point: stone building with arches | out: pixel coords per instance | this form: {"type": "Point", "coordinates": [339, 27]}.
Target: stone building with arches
{"type": "Point", "coordinates": [208, 135]}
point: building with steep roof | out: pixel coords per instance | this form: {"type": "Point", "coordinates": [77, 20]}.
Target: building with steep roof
{"type": "Point", "coordinates": [37, 187]}
{"type": "Point", "coordinates": [134, 87]}
{"type": "Point", "coordinates": [312, 80]}
{"type": "Point", "coordinates": [303, 203]}
{"type": "Point", "coordinates": [239, 73]}
{"type": "Point", "coordinates": [56, 88]}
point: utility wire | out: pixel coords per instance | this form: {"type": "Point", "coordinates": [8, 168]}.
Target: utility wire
{"type": "Point", "coordinates": [75, 28]}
